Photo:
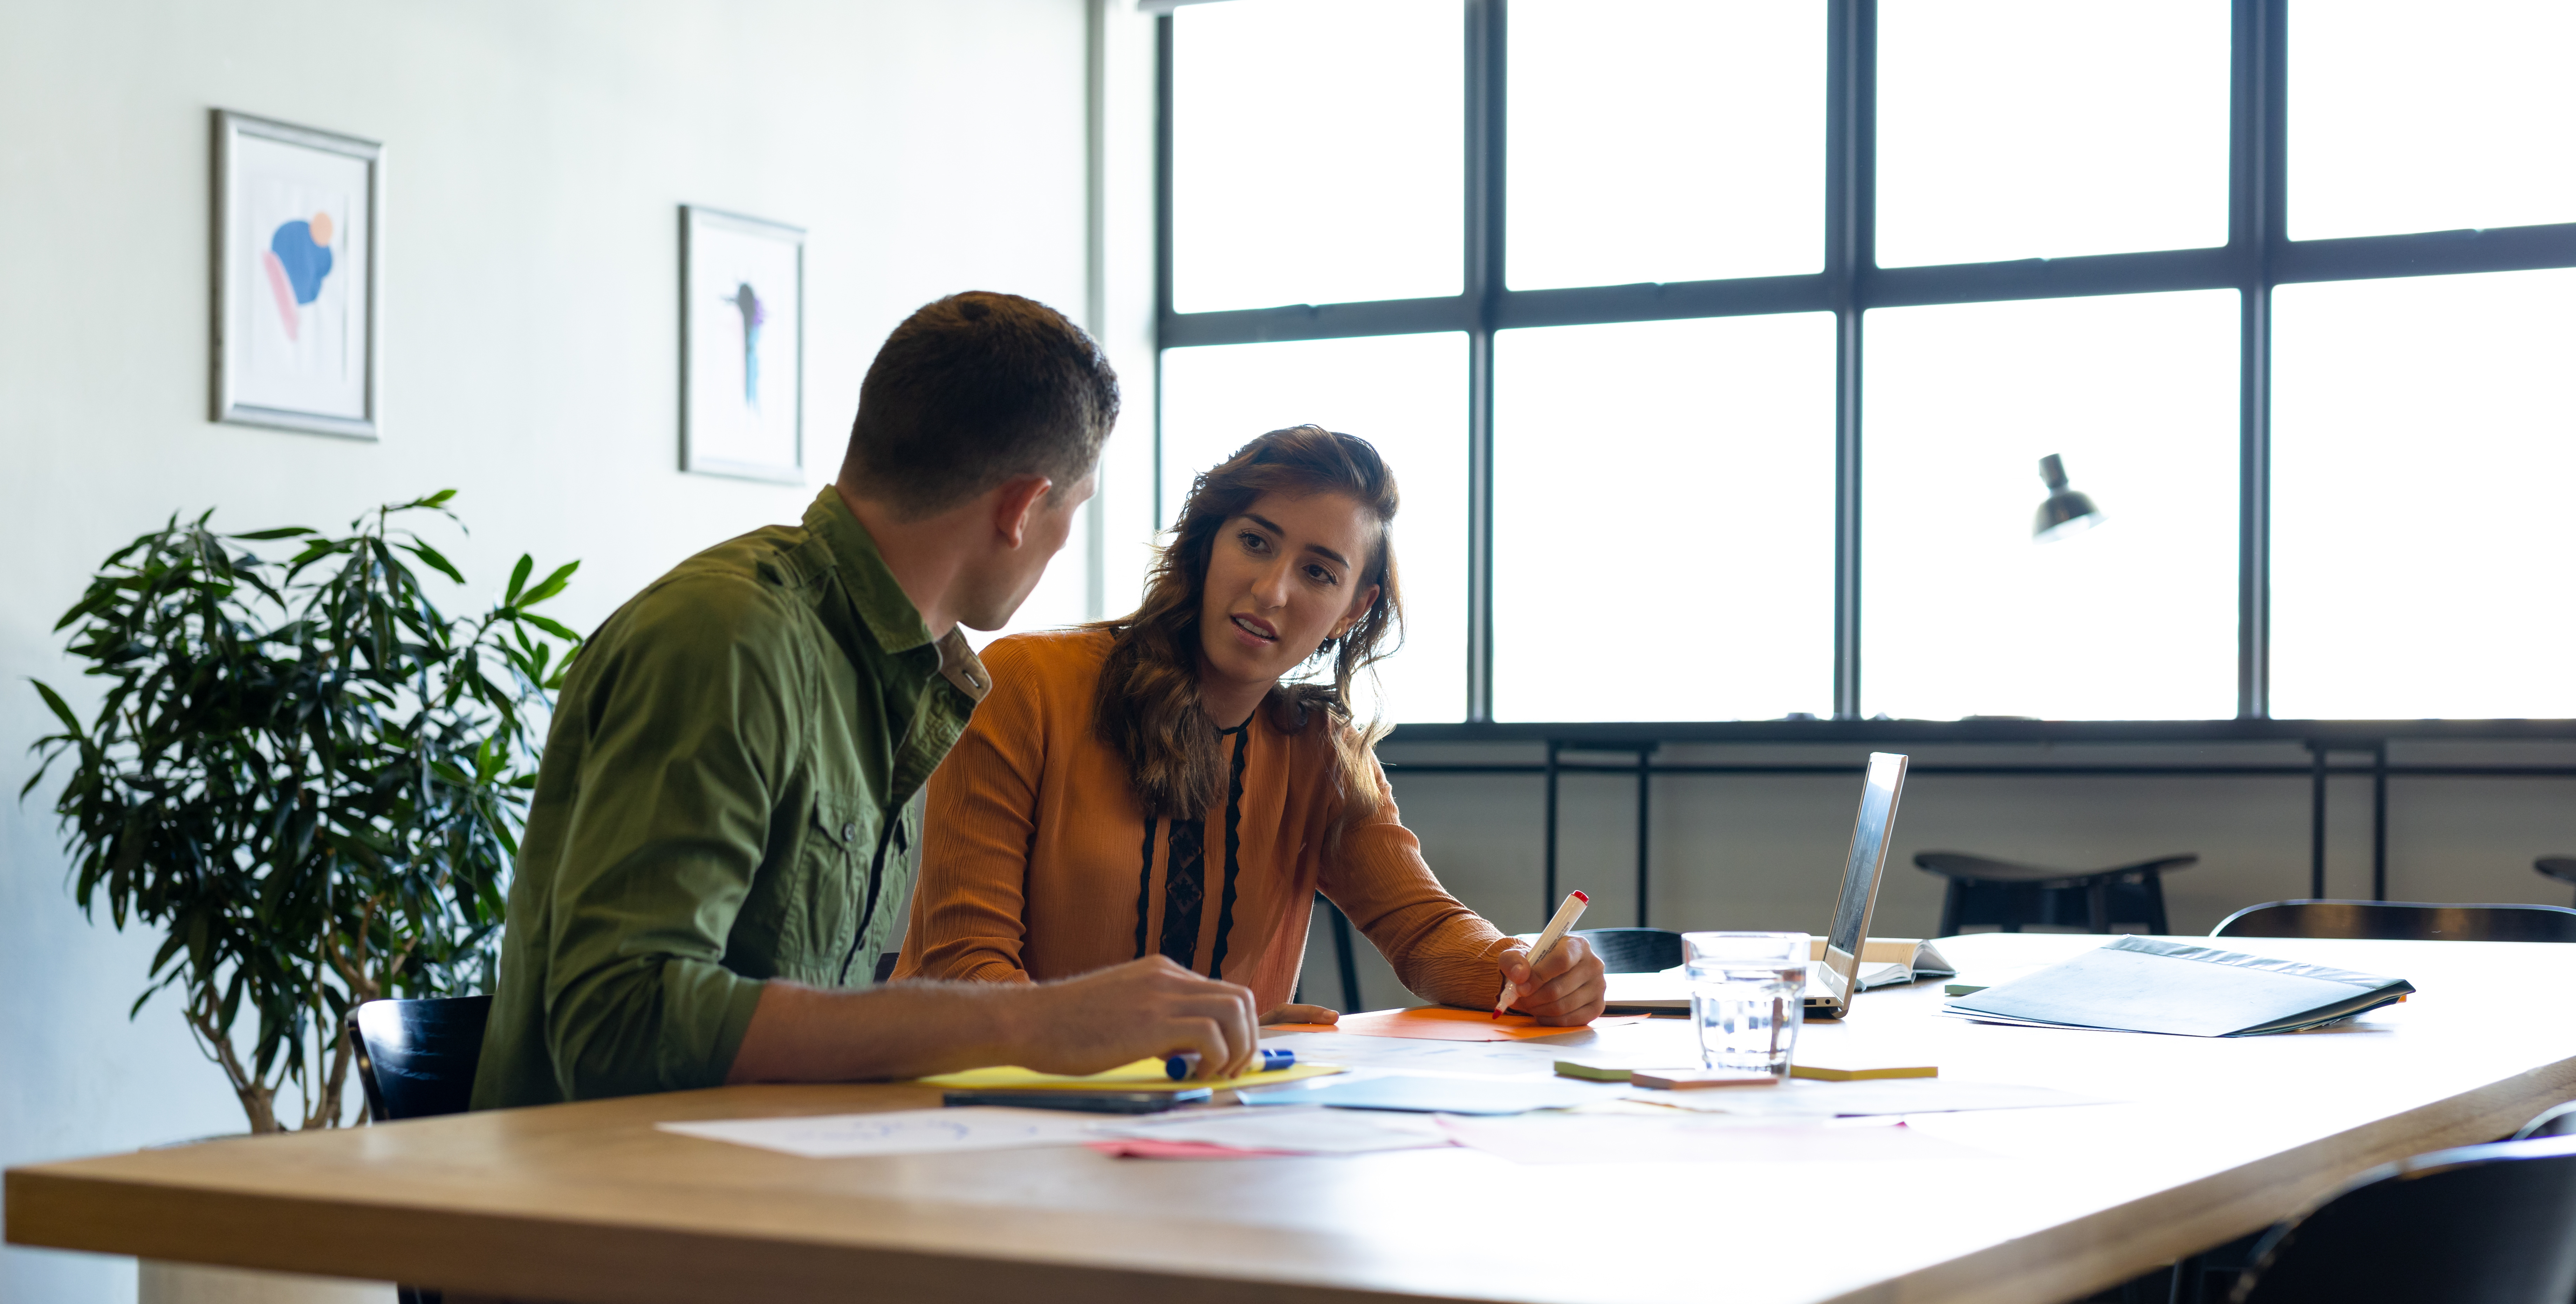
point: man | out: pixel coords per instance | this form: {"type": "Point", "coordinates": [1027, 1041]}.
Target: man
{"type": "Point", "coordinates": [718, 841]}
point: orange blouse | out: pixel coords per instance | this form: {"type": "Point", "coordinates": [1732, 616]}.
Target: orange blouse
{"type": "Point", "coordinates": [1037, 860]}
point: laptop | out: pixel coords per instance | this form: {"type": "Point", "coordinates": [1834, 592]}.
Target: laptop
{"type": "Point", "coordinates": [1837, 975]}
{"type": "Point", "coordinates": [1833, 982]}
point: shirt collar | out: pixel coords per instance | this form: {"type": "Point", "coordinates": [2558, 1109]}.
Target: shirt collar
{"type": "Point", "coordinates": [881, 603]}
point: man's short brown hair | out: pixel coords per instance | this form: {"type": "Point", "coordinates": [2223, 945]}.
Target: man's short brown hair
{"type": "Point", "coordinates": [973, 390]}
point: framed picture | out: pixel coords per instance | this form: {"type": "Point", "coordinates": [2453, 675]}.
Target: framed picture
{"type": "Point", "coordinates": [295, 218]}
{"type": "Point", "coordinates": [742, 346]}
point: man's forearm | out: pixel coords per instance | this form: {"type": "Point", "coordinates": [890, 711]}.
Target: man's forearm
{"type": "Point", "coordinates": [805, 1034]}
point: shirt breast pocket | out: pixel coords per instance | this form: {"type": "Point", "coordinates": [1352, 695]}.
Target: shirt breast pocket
{"type": "Point", "coordinates": [834, 853]}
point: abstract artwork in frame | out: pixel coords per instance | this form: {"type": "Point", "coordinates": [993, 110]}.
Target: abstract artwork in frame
{"type": "Point", "coordinates": [742, 346]}
{"type": "Point", "coordinates": [296, 212]}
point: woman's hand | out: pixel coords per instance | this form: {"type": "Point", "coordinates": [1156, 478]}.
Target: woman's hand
{"type": "Point", "coordinates": [1567, 989]}
{"type": "Point", "coordinates": [1299, 1014]}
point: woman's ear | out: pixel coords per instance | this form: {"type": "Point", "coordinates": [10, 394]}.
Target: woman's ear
{"type": "Point", "coordinates": [1367, 601]}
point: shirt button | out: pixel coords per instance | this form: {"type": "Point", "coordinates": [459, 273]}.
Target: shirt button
{"type": "Point", "coordinates": [849, 831]}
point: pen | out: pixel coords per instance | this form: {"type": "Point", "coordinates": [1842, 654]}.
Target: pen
{"type": "Point", "coordinates": [1566, 914]}
{"type": "Point", "coordinates": [1187, 1062]}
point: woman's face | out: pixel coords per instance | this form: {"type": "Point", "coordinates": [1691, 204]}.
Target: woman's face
{"type": "Point", "coordinates": [1283, 576]}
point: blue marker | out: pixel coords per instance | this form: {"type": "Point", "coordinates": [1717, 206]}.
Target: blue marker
{"type": "Point", "coordinates": [1187, 1062]}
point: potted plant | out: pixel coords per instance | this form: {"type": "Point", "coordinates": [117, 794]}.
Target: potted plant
{"type": "Point", "coordinates": [306, 774]}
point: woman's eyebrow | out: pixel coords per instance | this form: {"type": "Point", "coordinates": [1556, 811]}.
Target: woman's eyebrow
{"type": "Point", "coordinates": [1316, 548]}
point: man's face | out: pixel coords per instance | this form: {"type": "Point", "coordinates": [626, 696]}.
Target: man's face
{"type": "Point", "coordinates": [1004, 576]}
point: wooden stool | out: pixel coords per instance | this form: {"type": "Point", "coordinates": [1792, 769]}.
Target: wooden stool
{"type": "Point", "coordinates": [2009, 895]}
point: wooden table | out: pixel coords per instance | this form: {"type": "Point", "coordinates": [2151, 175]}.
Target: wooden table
{"type": "Point", "coordinates": [2212, 1139]}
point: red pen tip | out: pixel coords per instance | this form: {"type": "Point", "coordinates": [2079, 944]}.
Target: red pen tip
{"type": "Point", "coordinates": [1582, 898]}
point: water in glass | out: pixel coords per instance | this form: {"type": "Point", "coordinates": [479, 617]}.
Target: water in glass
{"type": "Point", "coordinates": [1748, 995]}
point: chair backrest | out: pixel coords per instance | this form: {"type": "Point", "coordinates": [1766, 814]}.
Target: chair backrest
{"type": "Point", "coordinates": [1634, 950]}
{"type": "Point", "coordinates": [416, 1058]}
{"type": "Point", "coordinates": [2477, 1225]}
{"type": "Point", "coordinates": [2401, 921]}
{"type": "Point", "coordinates": [2557, 1120]}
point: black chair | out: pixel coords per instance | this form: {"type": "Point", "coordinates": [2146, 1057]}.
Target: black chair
{"type": "Point", "coordinates": [1633, 950]}
{"type": "Point", "coordinates": [2562, 868]}
{"type": "Point", "coordinates": [2401, 921]}
{"type": "Point", "coordinates": [1343, 959]}
{"type": "Point", "coordinates": [2482, 1224]}
{"type": "Point", "coordinates": [2008, 895]}
{"type": "Point", "coordinates": [2557, 1120]}
{"type": "Point", "coordinates": [416, 1060]}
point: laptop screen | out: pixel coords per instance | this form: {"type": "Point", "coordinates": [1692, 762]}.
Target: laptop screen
{"type": "Point", "coordinates": [1861, 872]}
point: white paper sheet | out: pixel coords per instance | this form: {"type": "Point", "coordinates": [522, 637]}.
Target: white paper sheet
{"type": "Point", "coordinates": [898, 1132]}
{"type": "Point", "coordinates": [1302, 1128]}
{"type": "Point", "coordinates": [1413, 1055]}
{"type": "Point", "coordinates": [1798, 1098]}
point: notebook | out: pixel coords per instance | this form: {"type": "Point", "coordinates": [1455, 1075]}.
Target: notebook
{"type": "Point", "coordinates": [2140, 984]}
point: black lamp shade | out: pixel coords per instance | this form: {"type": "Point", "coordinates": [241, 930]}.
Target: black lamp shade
{"type": "Point", "coordinates": [2067, 512]}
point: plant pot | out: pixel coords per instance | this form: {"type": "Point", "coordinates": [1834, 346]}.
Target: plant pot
{"type": "Point", "coordinates": [158, 1282]}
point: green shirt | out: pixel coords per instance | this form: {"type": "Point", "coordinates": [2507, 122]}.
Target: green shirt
{"type": "Point", "coordinates": [721, 802]}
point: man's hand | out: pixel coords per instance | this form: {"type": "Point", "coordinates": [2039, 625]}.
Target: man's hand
{"type": "Point", "coordinates": [1150, 1007]}
{"type": "Point", "coordinates": [1566, 989]}
{"type": "Point", "coordinates": [1299, 1014]}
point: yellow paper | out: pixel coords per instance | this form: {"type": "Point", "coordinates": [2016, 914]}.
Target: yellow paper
{"type": "Point", "coordinates": [1143, 1075]}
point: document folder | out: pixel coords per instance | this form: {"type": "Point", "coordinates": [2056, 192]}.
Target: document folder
{"type": "Point", "coordinates": [2138, 984]}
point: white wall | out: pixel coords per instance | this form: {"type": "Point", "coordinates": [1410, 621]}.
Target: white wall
{"type": "Point", "coordinates": [537, 154]}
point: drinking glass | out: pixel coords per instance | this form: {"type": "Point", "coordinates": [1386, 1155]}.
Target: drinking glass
{"type": "Point", "coordinates": [1748, 996]}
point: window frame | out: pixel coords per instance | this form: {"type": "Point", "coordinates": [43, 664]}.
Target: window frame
{"type": "Point", "coordinates": [2257, 257]}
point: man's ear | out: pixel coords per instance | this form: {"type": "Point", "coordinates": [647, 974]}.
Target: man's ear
{"type": "Point", "coordinates": [1014, 501]}
{"type": "Point", "coordinates": [1358, 609]}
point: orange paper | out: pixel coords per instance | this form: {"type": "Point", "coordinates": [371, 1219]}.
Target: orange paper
{"type": "Point", "coordinates": [1441, 1023]}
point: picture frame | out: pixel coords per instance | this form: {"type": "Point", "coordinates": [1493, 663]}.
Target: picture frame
{"type": "Point", "coordinates": [742, 346]}
{"type": "Point", "coordinates": [297, 213]}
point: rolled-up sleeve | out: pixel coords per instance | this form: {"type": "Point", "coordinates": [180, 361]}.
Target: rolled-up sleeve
{"type": "Point", "coordinates": [688, 738]}
{"type": "Point", "coordinates": [1439, 949]}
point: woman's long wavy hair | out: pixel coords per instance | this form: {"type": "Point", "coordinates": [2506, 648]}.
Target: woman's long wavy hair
{"type": "Point", "coordinates": [1149, 691]}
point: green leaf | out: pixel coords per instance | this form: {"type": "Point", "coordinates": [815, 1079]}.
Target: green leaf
{"type": "Point", "coordinates": [556, 628]}
{"type": "Point", "coordinates": [431, 555]}
{"type": "Point", "coordinates": [281, 532]}
{"type": "Point", "coordinates": [518, 578]}
{"type": "Point", "coordinates": [552, 585]}
{"type": "Point", "coordinates": [62, 709]}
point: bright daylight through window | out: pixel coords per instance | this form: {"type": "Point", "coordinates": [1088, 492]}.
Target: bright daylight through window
{"type": "Point", "coordinates": [1921, 359]}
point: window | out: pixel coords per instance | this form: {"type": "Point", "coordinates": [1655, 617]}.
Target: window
{"type": "Point", "coordinates": [2423, 432]}
{"type": "Point", "coordinates": [1732, 334]}
{"type": "Point", "coordinates": [2039, 129]}
{"type": "Point", "coordinates": [1963, 613]}
{"type": "Point", "coordinates": [1716, 438]}
{"type": "Point", "coordinates": [1604, 97]}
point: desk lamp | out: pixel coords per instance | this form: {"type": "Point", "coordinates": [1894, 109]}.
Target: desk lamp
{"type": "Point", "coordinates": [2067, 512]}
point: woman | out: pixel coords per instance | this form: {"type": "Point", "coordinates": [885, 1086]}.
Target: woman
{"type": "Point", "coordinates": [1160, 785]}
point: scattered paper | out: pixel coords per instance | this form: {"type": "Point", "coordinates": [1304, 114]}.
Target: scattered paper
{"type": "Point", "coordinates": [1310, 1130]}
{"type": "Point", "coordinates": [897, 1132]}
{"type": "Point", "coordinates": [1612, 1139]}
{"type": "Point", "coordinates": [1796, 1098]}
{"type": "Point", "coordinates": [1143, 1075]}
{"type": "Point", "coordinates": [1442, 1023]}
{"type": "Point", "coordinates": [1409, 1054]}
{"type": "Point", "coordinates": [1443, 1095]}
